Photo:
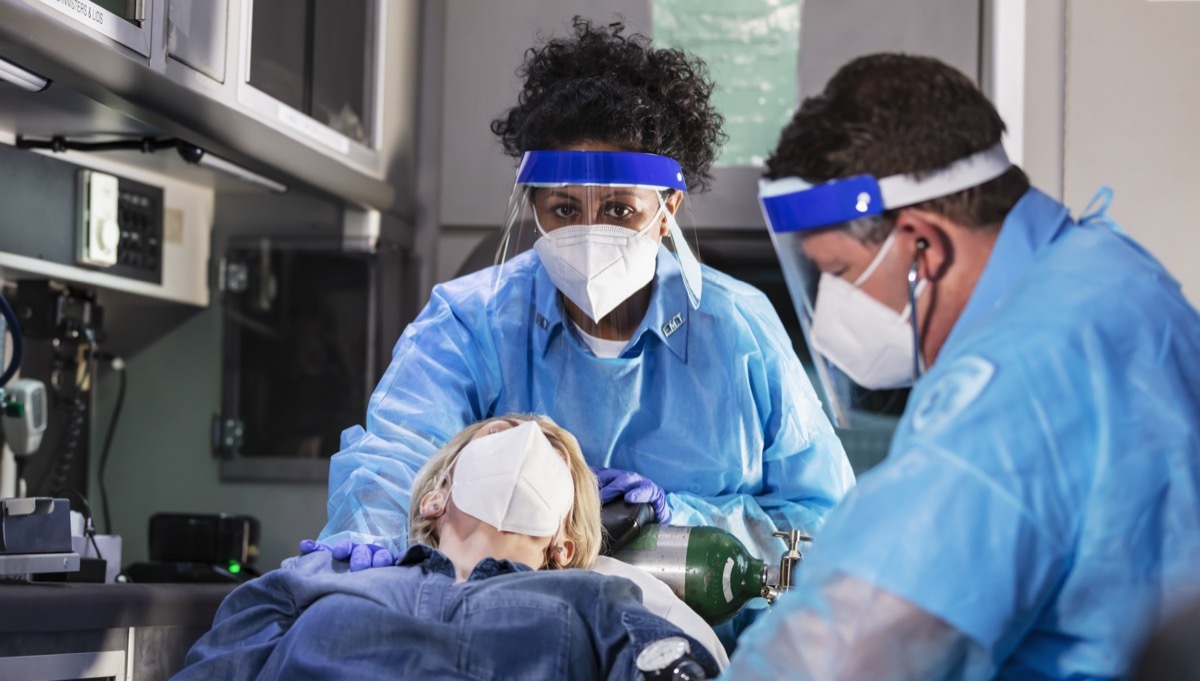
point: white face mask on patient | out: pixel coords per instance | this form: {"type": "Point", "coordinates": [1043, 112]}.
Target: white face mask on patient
{"type": "Point", "coordinates": [515, 481]}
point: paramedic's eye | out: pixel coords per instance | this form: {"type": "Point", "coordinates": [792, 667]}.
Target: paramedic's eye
{"type": "Point", "coordinates": [619, 211]}
{"type": "Point", "coordinates": [563, 211]}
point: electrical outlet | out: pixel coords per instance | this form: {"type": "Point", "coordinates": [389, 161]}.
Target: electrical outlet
{"type": "Point", "coordinates": [99, 230]}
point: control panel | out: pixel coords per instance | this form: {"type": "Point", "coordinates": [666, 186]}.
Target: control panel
{"type": "Point", "coordinates": [121, 226]}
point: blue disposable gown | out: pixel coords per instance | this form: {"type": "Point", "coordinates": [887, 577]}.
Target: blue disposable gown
{"type": "Point", "coordinates": [1040, 505]}
{"type": "Point", "coordinates": [710, 403]}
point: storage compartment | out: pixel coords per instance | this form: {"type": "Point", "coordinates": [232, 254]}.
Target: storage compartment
{"type": "Point", "coordinates": [303, 348]}
{"type": "Point", "coordinates": [316, 61]}
{"type": "Point", "coordinates": [127, 22]}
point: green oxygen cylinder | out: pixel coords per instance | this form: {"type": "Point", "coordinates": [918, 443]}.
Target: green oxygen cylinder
{"type": "Point", "coordinates": [707, 567]}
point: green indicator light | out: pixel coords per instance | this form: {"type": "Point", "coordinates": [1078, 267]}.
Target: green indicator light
{"type": "Point", "coordinates": [234, 567]}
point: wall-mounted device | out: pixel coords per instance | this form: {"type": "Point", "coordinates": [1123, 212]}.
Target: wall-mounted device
{"type": "Point", "coordinates": [64, 333]}
{"type": "Point", "coordinates": [56, 224]}
{"type": "Point", "coordinates": [120, 226]}
{"type": "Point", "coordinates": [100, 232]}
{"type": "Point", "coordinates": [24, 416]}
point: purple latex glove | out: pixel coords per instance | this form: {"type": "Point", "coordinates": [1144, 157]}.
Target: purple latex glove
{"type": "Point", "coordinates": [636, 490]}
{"type": "Point", "coordinates": [362, 556]}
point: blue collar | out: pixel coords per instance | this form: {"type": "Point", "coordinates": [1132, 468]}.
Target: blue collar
{"type": "Point", "coordinates": [433, 560]}
{"type": "Point", "coordinates": [1033, 223]}
{"type": "Point", "coordinates": [666, 317]}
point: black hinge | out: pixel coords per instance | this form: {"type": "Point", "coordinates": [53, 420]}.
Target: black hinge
{"type": "Point", "coordinates": [232, 276]}
{"type": "Point", "coordinates": [227, 435]}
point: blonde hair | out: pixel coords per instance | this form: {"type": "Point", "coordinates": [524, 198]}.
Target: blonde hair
{"type": "Point", "coordinates": [583, 522]}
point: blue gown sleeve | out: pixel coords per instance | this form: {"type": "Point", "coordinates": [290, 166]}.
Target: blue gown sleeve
{"type": "Point", "coordinates": [805, 472]}
{"type": "Point", "coordinates": [980, 472]}
{"type": "Point", "coordinates": [438, 382]}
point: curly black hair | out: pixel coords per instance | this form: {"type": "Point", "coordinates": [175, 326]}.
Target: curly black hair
{"type": "Point", "coordinates": [601, 86]}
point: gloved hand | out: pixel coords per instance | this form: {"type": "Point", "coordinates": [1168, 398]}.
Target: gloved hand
{"type": "Point", "coordinates": [636, 490]}
{"type": "Point", "coordinates": [362, 556]}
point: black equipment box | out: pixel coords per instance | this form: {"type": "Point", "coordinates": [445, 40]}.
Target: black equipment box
{"type": "Point", "coordinates": [215, 539]}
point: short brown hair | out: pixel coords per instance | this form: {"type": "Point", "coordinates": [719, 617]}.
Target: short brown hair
{"type": "Point", "coordinates": [889, 114]}
{"type": "Point", "coordinates": [583, 522]}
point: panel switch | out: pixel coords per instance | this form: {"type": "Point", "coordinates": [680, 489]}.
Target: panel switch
{"type": "Point", "coordinates": [99, 232]}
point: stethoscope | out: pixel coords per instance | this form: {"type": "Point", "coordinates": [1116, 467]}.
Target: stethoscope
{"type": "Point", "coordinates": [922, 244]}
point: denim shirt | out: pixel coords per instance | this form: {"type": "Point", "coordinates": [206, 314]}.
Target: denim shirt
{"type": "Point", "coordinates": [314, 619]}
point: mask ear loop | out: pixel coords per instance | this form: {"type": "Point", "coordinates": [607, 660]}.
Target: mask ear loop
{"type": "Point", "coordinates": [922, 244]}
{"type": "Point", "coordinates": [658, 215]}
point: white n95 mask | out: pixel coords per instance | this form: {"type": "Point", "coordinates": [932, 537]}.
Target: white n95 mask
{"type": "Point", "coordinates": [515, 481]}
{"type": "Point", "coordinates": [598, 267]}
{"type": "Point", "coordinates": [869, 341]}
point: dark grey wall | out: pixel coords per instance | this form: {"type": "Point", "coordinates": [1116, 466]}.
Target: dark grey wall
{"type": "Point", "coordinates": [484, 44]}
{"type": "Point", "coordinates": [832, 32]}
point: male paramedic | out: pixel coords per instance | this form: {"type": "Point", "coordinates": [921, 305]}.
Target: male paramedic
{"type": "Point", "coordinates": [1039, 510]}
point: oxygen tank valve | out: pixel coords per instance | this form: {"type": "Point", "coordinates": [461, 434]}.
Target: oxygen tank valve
{"type": "Point", "coordinates": [778, 580]}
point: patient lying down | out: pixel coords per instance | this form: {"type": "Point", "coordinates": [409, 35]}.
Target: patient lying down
{"type": "Point", "coordinates": [481, 594]}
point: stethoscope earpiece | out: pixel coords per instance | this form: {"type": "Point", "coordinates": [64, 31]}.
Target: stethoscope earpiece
{"type": "Point", "coordinates": [913, 280]}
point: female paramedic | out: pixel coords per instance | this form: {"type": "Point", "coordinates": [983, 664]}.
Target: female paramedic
{"type": "Point", "coordinates": [679, 382]}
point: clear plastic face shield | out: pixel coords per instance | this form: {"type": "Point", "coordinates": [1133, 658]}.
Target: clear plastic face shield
{"type": "Point", "coordinates": [596, 220]}
{"type": "Point", "coordinates": [864, 349]}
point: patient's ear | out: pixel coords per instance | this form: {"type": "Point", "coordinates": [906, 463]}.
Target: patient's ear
{"type": "Point", "coordinates": [563, 552]}
{"type": "Point", "coordinates": [433, 504]}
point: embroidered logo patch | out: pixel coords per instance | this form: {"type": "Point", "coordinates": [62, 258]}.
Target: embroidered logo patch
{"type": "Point", "coordinates": [672, 325]}
{"type": "Point", "coordinates": [953, 392]}
{"type": "Point", "coordinates": [542, 322]}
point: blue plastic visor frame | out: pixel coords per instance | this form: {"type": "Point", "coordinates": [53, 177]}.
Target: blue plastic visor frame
{"type": "Point", "coordinates": [799, 206]}
{"type": "Point", "coordinates": [606, 168]}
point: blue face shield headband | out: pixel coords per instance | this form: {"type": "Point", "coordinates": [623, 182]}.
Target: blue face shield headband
{"type": "Point", "coordinates": [792, 205]}
{"type": "Point", "coordinates": [599, 168]}
{"type": "Point", "coordinates": [540, 169]}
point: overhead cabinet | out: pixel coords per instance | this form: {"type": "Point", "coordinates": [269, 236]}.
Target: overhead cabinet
{"type": "Point", "coordinates": [316, 93]}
